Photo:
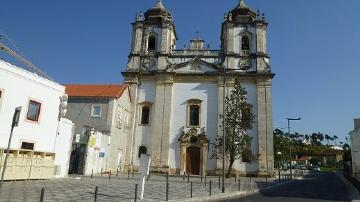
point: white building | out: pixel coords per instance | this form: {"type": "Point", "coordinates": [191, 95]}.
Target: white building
{"type": "Point", "coordinates": [178, 93]}
{"type": "Point", "coordinates": [102, 117]}
{"type": "Point", "coordinates": [40, 128]}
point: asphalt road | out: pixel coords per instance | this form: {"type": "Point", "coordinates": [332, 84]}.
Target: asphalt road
{"type": "Point", "coordinates": [314, 187]}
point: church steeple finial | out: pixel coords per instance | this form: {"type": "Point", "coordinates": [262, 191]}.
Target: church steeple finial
{"type": "Point", "coordinates": [242, 4]}
{"type": "Point", "coordinates": [159, 4]}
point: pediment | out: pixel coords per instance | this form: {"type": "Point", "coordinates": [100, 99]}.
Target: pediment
{"type": "Point", "coordinates": [195, 65]}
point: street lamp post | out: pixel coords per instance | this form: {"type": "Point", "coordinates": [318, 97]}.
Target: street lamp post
{"type": "Point", "coordinates": [223, 152]}
{"type": "Point", "coordinates": [291, 119]}
{"type": "Point", "coordinates": [279, 154]}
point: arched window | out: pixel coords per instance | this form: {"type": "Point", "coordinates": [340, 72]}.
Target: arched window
{"type": "Point", "coordinates": [151, 43]}
{"type": "Point", "coordinates": [245, 43]}
{"type": "Point", "coordinates": [142, 150]}
{"type": "Point", "coordinates": [145, 115]}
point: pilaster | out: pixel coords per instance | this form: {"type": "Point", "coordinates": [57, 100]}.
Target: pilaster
{"type": "Point", "coordinates": [265, 132]}
{"type": "Point", "coordinates": [220, 112]}
{"type": "Point", "coordinates": [133, 89]}
{"type": "Point", "coordinates": [161, 124]}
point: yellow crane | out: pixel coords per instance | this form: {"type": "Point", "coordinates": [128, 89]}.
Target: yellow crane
{"type": "Point", "coordinates": [20, 58]}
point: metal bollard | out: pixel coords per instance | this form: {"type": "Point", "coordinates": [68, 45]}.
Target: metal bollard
{"type": "Point", "coordinates": [201, 177]}
{"type": "Point", "coordinates": [101, 172]}
{"type": "Point", "coordinates": [167, 192]}
{"type": "Point", "coordinates": [184, 176]}
{"type": "Point", "coordinates": [210, 188]}
{"type": "Point", "coordinates": [219, 181]}
{"type": "Point", "coordinates": [279, 175]}
{"type": "Point", "coordinates": [239, 185]}
{"type": "Point", "coordinates": [42, 194]}
{"type": "Point", "coordinates": [96, 193]}
{"type": "Point", "coordinates": [128, 174]}
{"type": "Point", "coordinates": [188, 175]}
{"type": "Point", "coordinates": [92, 173]}
{"type": "Point", "coordinates": [191, 187]}
{"type": "Point", "coordinates": [205, 180]}
{"type": "Point", "coordinates": [117, 172]}
{"type": "Point", "coordinates": [135, 197]}
{"type": "Point", "coordinates": [109, 174]}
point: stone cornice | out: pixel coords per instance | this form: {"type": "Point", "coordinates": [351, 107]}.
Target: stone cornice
{"type": "Point", "coordinates": [171, 77]}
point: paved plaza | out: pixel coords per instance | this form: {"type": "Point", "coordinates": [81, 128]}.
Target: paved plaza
{"type": "Point", "coordinates": [122, 188]}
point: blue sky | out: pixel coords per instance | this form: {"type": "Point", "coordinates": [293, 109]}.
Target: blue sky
{"type": "Point", "coordinates": [313, 44]}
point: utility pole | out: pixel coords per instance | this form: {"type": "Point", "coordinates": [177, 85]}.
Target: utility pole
{"type": "Point", "coordinates": [15, 123]}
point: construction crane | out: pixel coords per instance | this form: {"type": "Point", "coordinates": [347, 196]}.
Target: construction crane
{"type": "Point", "coordinates": [20, 58]}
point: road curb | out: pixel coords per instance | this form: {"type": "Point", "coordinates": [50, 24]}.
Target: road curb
{"type": "Point", "coordinates": [227, 196]}
{"type": "Point", "coordinates": [354, 193]}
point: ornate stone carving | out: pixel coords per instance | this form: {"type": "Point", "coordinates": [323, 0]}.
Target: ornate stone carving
{"type": "Point", "coordinates": [191, 134]}
{"type": "Point", "coordinates": [148, 62]}
{"type": "Point", "coordinates": [245, 63]}
{"type": "Point", "coordinates": [193, 138]}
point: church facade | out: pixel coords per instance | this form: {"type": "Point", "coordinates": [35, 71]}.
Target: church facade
{"type": "Point", "coordinates": [178, 94]}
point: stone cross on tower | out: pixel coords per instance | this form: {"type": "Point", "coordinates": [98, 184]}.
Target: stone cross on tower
{"type": "Point", "coordinates": [159, 4]}
{"type": "Point", "coordinates": [242, 4]}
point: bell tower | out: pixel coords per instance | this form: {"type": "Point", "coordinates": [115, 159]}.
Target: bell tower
{"type": "Point", "coordinates": [243, 39]}
{"type": "Point", "coordinates": [244, 55]}
{"type": "Point", "coordinates": [153, 39]}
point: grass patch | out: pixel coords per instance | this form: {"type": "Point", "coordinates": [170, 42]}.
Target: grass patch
{"type": "Point", "coordinates": [329, 169]}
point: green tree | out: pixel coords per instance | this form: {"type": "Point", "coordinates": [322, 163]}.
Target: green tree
{"type": "Point", "coordinates": [327, 137]}
{"type": "Point", "coordinates": [238, 120]}
{"type": "Point", "coordinates": [335, 138]}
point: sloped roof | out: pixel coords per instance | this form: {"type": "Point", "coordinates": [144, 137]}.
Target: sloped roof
{"type": "Point", "coordinates": [304, 158]}
{"type": "Point", "coordinates": [94, 90]}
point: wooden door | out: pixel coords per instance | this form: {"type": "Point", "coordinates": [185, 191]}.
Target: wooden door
{"type": "Point", "coordinates": [193, 160]}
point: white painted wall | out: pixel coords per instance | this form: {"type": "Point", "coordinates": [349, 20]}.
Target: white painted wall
{"type": "Point", "coordinates": [95, 163]}
{"type": "Point", "coordinates": [119, 134]}
{"type": "Point", "coordinates": [63, 147]}
{"type": "Point", "coordinates": [182, 92]}
{"type": "Point", "coordinates": [18, 87]}
{"type": "Point", "coordinates": [146, 93]}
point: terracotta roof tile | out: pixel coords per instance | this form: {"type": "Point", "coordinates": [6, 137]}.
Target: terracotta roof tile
{"type": "Point", "coordinates": [304, 158]}
{"type": "Point", "coordinates": [93, 90]}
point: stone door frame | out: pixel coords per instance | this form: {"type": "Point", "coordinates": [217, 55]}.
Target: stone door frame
{"type": "Point", "coordinates": [193, 139]}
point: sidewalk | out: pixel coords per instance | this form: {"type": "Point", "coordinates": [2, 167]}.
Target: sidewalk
{"type": "Point", "coordinates": [121, 188]}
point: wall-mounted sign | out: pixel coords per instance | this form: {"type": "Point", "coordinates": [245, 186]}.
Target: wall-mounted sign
{"type": "Point", "coordinates": [15, 121]}
{"type": "Point", "coordinates": [101, 154]}
{"type": "Point", "coordinates": [92, 140]}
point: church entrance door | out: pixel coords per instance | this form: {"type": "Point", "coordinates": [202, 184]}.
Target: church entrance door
{"type": "Point", "coordinates": [193, 160]}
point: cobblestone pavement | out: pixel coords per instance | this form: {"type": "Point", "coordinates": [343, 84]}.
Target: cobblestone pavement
{"type": "Point", "coordinates": [121, 188]}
